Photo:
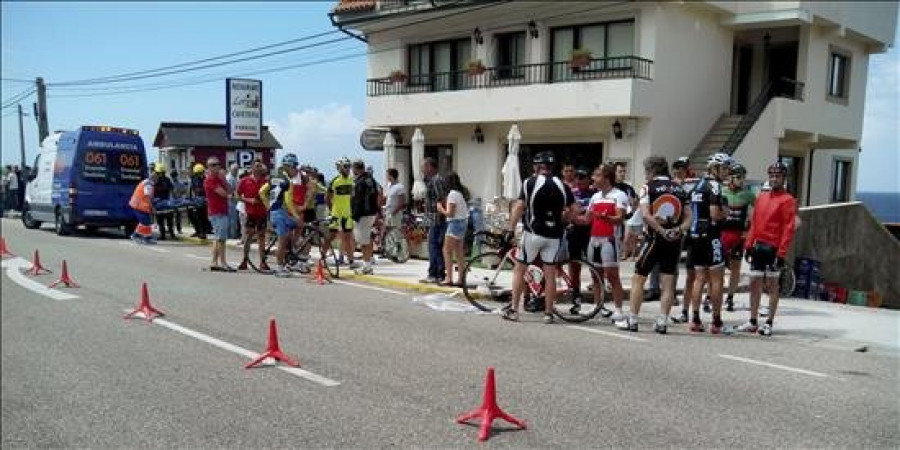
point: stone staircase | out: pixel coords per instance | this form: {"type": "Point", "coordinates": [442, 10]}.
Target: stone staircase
{"type": "Point", "coordinates": [713, 141]}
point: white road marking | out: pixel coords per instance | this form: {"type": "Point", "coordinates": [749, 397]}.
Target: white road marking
{"type": "Point", "coordinates": [774, 366]}
{"type": "Point", "coordinates": [197, 257]}
{"type": "Point", "coordinates": [14, 268]}
{"type": "Point", "coordinates": [608, 333]}
{"type": "Point", "coordinates": [374, 288]}
{"type": "Point", "coordinates": [148, 247]}
{"type": "Point", "coordinates": [315, 378]}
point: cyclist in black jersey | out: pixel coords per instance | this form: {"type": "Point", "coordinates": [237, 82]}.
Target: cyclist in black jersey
{"type": "Point", "coordinates": [709, 210]}
{"type": "Point", "coordinates": [662, 203]}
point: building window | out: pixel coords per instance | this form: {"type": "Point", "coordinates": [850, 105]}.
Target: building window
{"type": "Point", "coordinates": [840, 182]}
{"type": "Point", "coordinates": [511, 55]}
{"type": "Point", "coordinates": [605, 41]}
{"type": "Point", "coordinates": [838, 75]}
{"type": "Point", "coordinates": [438, 64]}
{"type": "Point", "coordinates": [792, 180]}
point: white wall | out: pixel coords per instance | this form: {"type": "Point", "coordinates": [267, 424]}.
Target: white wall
{"type": "Point", "coordinates": [760, 146]}
{"type": "Point", "coordinates": [877, 20]}
{"type": "Point", "coordinates": [823, 174]}
{"type": "Point", "coordinates": [691, 85]}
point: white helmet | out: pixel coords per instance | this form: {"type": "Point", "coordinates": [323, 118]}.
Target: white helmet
{"type": "Point", "coordinates": [720, 159]}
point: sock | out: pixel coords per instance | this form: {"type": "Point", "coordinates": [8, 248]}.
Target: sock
{"type": "Point", "coordinates": [717, 321]}
{"type": "Point", "coordinates": [730, 298]}
{"type": "Point", "coordinates": [684, 312]}
{"type": "Point", "coordinates": [753, 322]}
{"type": "Point", "coordinates": [769, 322]}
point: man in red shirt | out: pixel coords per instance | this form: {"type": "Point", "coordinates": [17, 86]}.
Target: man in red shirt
{"type": "Point", "coordinates": [257, 213]}
{"type": "Point", "coordinates": [216, 189]}
{"type": "Point", "coordinates": [771, 232]}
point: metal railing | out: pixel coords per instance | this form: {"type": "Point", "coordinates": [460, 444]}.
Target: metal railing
{"type": "Point", "coordinates": [557, 72]}
{"type": "Point", "coordinates": [782, 87]}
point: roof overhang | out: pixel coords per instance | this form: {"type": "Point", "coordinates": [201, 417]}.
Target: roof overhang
{"type": "Point", "coordinates": [782, 18]}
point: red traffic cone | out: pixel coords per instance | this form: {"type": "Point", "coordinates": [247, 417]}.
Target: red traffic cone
{"type": "Point", "coordinates": [488, 411]}
{"type": "Point", "coordinates": [36, 267]}
{"type": "Point", "coordinates": [321, 276]}
{"type": "Point", "coordinates": [4, 251]}
{"type": "Point", "coordinates": [273, 350]}
{"type": "Point", "coordinates": [65, 278]}
{"type": "Point", "coordinates": [145, 307]}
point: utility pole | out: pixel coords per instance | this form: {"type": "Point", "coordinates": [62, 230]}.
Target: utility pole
{"type": "Point", "coordinates": [21, 137]}
{"type": "Point", "coordinates": [43, 128]}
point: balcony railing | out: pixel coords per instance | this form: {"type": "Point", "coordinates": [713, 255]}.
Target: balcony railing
{"type": "Point", "coordinates": [556, 72]}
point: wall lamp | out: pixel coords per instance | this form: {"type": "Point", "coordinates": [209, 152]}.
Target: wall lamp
{"type": "Point", "coordinates": [479, 39]}
{"type": "Point", "coordinates": [478, 135]}
{"type": "Point", "coordinates": [617, 129]}
{"type": "Point", "coordinates": [533, 29]}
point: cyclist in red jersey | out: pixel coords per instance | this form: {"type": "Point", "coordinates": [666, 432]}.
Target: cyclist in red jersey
{"type": "Point", "coordinates": [771, 232]}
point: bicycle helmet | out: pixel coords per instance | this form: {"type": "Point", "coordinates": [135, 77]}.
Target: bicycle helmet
{"type": "Point", "coordinates": [681, 163]}
{"type": "Point", "coordinates": [290, 160]}
{"type": "Point", "coordinates": [719, 159]}
{"type": "Point", "coordinates": [543, 158]}
{"type": "Point", "coordinates": [342, 162]}
{"type": "Point", "coordinates": [776, 168]}
{"type": "Point", "coordinates": [198, 168]}
{"type": "Point", "coordinates": [739, 169]}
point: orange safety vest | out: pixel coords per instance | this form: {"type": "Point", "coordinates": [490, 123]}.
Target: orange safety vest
{"type": "Point", "coordinates": [139, 200]}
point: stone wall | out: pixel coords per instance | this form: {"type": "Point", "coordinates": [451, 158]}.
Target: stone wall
{"type": "Point", "coordinates": [856, 250]}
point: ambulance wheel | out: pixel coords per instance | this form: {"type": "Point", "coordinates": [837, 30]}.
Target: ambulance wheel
{"type": "Point", "coordinates": [62, 227]}
{"type": "Point", "coordinates": [28, 220]}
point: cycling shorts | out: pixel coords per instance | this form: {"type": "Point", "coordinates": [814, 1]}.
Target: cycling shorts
{"type": "Point", "coordinates": [733, 244]}
{"type": "Point", "coordinates": [658, 250]}
{"type": "Point", "coordinates": [603, 251]}
{"type": "Point", "coordinates": [256, 224]}
{"type": "Point", "coordinates": [764, 261]}
{"type": "Point", "coordinates": [707, 252]}
{"type": "Point", "coordinates": [342, 224]}
{"type": "Point", "coordinates": [550, 250]}
{"type": "Point", "coordinates": [578, 239]}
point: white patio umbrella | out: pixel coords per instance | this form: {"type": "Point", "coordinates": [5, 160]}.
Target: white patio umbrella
{"type": "Point", "coordinates": [512, 181]}
{"type": "Point", "coordinates": [418, 155]}
{"type": "Point", "coordinates": [390, 150]}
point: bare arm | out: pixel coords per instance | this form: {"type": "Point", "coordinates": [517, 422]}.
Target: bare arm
{"type": "Point", "coordinates": [516, 214]}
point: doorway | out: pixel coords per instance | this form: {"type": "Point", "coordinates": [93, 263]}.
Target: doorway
{"type": "Point", "coordinates": [743, 64]}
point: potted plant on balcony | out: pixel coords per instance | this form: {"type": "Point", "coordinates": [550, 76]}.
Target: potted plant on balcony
{"type": "Point", "coordinates": [475, 67]}
{"type": "Point", "coordinates": [397, 76]}
{"type": "Point", "coordinates": [580, 58]}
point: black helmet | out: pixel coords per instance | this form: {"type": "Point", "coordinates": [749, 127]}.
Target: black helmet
{"type": "Point", "coordinates": [543, 158]}
{"type": "Point", "coordinates": [778, 167]}
{"type": "Point", "coordinates": [681, 163]}
{"type": "Point", "coordinates": [738, 169]}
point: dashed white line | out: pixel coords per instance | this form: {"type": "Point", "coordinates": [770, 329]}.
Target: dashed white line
{"type": "Point", "coordinates": [148, 247]}
{"type": "Point", "coordinates": [205, 258]}
{"type": "Point", "coordinates": [607, 333]}
{"type": "Point", "coordinates": [774, 366]}
{"type": "Point", "coordinates": [315, 378]}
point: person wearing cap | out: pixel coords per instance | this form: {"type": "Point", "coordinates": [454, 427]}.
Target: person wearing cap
{"type": "Point", "coordinates": [162, 196]}
{"type": "Point", "coordinates": [197, 212]}
{"type": "Point", "coordinates": [142, 204]}
{"type": "Point", "coordinates": [364, 207]}
{"type": "Point", "coordinates": [543, 206]}
{"type": "Point", "coordinates": [580, 233]}
{"type": "Point", "coordinates": [278, 195]}
{"type": "Point", "coordinates": [217, 195]}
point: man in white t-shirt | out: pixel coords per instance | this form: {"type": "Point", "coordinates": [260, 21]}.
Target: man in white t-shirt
{"type": "Point", "coordinates": [396, 200]}
{"type": "Point", "coordinates": [607, 211]}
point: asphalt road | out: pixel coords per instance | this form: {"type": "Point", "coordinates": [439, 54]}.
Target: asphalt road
{"type": "Point", "coordinates": [75, 374]}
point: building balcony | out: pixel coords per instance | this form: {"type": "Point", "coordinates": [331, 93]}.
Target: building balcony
{"type": "Point", "coordinates": [621, 67]}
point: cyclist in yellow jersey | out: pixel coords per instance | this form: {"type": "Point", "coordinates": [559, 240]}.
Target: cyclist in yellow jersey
{"type": "Point", "coordinates": [340, 191]}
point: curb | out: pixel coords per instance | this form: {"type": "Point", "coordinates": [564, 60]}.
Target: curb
{"type": "Point", "coordinates": [398, 284]}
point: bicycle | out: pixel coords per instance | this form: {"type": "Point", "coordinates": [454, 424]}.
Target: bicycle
{"type": "Point", "coordinates": [314, 235]}
{"type": "Point", "coordinates": [786, 281]}
{"type": "Point", "coordinates": [487, 277]}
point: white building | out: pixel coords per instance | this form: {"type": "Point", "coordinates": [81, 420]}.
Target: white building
{"type": "Point", "coordinates": [764, 80]}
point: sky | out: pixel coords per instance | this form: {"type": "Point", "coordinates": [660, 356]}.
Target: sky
{"type": "Point", "coordinates": [316, 111]}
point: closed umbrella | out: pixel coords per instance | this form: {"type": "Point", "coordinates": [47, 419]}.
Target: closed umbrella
{"type": "Point", "coordinates": [418, 155]}
{"type": "Point", "coordinates": [390, 150]}
{"type": "Point", "coordinates": [512, 181]}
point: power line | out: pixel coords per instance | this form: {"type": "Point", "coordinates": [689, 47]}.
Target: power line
{"type": "Point", "coordinates": [18, 80]}
{"type": "Point", "coordinates": [17, 98]}
{"type": "Point", "coordinates": [200, 61]}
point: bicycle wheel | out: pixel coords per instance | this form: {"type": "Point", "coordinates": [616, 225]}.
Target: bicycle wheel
{"type": "Point", "coordinates": [327, 254]}
{"type": "Point", "coordinates": [395, 246]}
{"type": "Point", "coordinates": [583, 305]}
{"type": "Point", "coordinates": [786, 281]}
{"type": "Point", "coordinates": [487, 281]}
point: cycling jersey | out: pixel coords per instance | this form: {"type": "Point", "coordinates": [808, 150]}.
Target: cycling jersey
{"type": "Point", "coordinates": [341, 189]}
{"type": "Point", "coordinates": [666, 200]}
{"type": "Point", "coordinates": [772, 222]}
{"type": "Point", "coordinates": [545, 199]}
{"type": "Point", "coordinates": [707, 194]}
{"type": "Point", "coordinates": [278, 195]}
{"type": "Point", "coordinates": [739, 203]}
